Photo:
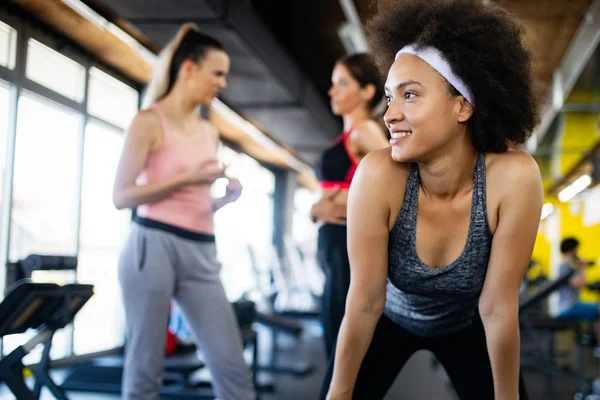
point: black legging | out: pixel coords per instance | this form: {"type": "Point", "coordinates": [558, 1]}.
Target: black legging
{"type": "Point", "coordinates": [463, 354]}
{"type": "Point", "coordinates": [333, 258]}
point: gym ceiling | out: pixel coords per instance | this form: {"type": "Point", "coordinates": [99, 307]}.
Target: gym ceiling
{"type": "Point", "coordinates": [282, 60]}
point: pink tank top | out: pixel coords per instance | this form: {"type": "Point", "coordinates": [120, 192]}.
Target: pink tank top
{"type": "Point", "coordinates": [190, 207]}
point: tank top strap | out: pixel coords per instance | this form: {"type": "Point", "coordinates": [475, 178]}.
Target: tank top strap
{"type": "Point", "coordinates": [342, 137]}
{"type": "Point", "coordinates": [479, 189]}
{"type": "Point", "coordinates": [408, 212]}
{"type": "Point", "coordinates": [346, 140]}
{"type": "Point", "coordinates": [164, 124]}
{"type": "Point", "coordinates": [412, 185]}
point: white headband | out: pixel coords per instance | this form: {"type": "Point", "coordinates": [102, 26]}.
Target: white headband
{"type": "Point", "coordinates": [437, 61]}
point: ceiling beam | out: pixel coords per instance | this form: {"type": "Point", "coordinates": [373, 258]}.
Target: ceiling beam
{"type": "Point", "coordinates": [581, 108]}
{"type": "Point", "coordinates": [565, 76]}
{"type": "Point", "coordinates": [583, 166]}
{"type": "Point", "coordinates": [351, 33]}
{"type": "Point", "coordinates": [121, 51]}
{"type": "Point", "coordinates": [95, 34]}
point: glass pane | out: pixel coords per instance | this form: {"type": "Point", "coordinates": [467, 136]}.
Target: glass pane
{"type": "Point", "coordinates": [303, 229]}
{"type": "Point", "coordinates": [246, 224]}
{"type": "Point", "coordinates": [8, 45]}
{"type": "Point", "coordinates": [100, 325]}
{"type": "Point", "coordinates": [55, 71]}
{"type": "Point", "coordinates": [45, 179]}
{"type": "Point", "coordinates": [304, 238]}
{"type": "Point", "coordinates": [4, 104]}
{"type": "Point", "coordinates": [111, 100]}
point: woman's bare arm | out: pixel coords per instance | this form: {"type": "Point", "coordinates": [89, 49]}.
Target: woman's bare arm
{"type": "Point", "coordinates": [368, 220]}
{"type": "Point", "coordinates": [142, 136]}
{"type": "Point", "coordinates": [518, 220]}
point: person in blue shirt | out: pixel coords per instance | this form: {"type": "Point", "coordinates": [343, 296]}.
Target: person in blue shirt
{"type": "Point", "coordinates": [569, 304]}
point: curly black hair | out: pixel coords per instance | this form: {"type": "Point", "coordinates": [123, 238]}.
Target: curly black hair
{"type": "Point", "coordinates": [484, 46]}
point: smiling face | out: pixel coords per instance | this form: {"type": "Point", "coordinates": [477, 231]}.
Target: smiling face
{"type": "Point", "coordinates": [422, 116]}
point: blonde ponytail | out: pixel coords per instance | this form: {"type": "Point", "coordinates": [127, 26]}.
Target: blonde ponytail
{"type": "Point", "coordinates": [159, 83]}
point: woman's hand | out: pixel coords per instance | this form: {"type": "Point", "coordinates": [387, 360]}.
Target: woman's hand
{"type": "Point", "coordinates": [233, 191]}
{"type": "Point", "coordinates": [328, 211]}
{"type": "Point", "coordinates": [205, 173]}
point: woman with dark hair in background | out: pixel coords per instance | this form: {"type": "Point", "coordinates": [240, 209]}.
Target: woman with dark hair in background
{"type": "Point", "coordinates": [167, 166]}
{"type": "Point", "coordinates": [441, 226]}
{"type": "Point", "coordinates": [356, 91]}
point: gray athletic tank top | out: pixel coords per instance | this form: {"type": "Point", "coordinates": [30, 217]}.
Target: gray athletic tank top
{"type": "Point", "coordinates": [437, 301]}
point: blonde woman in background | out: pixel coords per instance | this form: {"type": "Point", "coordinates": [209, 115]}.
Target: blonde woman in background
{"type": "Point", "coordinates": [167, 166]}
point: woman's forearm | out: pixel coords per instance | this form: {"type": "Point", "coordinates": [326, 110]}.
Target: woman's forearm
{"type": "Point", "coordinates": [145, 194]}
{"type": "Point", "coordinates": [503, 343]}
{"type": "Point", "coordinates": [219, 203]}
{"type": "Point", "coordinates": [354, 339]}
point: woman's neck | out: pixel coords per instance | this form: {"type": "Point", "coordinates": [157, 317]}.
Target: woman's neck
{"type": "Point", "coordinates": [354, 117]}
{"type": "Point", "coordinates": [451, 173]}
{"type": "Point", "coordinates": [178, 105]}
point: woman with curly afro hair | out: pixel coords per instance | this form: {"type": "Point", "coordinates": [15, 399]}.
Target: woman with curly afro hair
{"type": "Point", "coordinates": [441, 226]}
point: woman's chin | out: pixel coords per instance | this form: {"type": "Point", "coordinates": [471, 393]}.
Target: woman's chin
{"type": "Point", "coordinates": [399, 155]}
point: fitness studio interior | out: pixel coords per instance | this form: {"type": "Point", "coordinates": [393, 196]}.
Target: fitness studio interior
{"type": "Point", "coordinates": [187, 197]}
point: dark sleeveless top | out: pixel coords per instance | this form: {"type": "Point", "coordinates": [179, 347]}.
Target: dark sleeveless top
{"type": "Point", "coordinates": [437, 301]}
{"type": "Point", "coordinates": [337, 166]}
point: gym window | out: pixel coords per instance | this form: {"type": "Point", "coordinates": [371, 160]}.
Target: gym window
{"type": "Point", "coordinates": [4, 114]}
{"type": "Point", "coordinates": [43, 220]}
{"type": "Point", "coordinates": [111, 99]}
{"type": "Point", "coordinates": [8, 45]}
{"type": "Point", "coordinates": [55, 71]}
{"type": "Point", "coordinates": [65, 113]}
{"type": "Point", "coordinates": [239, 230]}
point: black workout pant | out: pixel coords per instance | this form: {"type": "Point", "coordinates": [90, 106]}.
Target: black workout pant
{"type": "Point", "coordinates": [333, 258]}
{"type": "Point", "coordinates": [463, 354]}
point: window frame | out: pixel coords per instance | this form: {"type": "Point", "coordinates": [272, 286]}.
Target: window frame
{"type": "Point", "coordinates": [28, 28]}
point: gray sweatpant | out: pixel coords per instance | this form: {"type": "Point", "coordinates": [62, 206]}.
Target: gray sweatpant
{"type": "Point", "coordinates": [154, 267]}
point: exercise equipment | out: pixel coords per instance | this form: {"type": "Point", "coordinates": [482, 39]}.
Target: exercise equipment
{"type": "Point", "coordinates": [105, 375]}
{"type": "Point", "coordinates": [528, 301]}
{"type": "Point", "coordinates": [541, 359]}
{"type": "Point", "coordinates": [277, 325]}
{"type": "Point", "coordinates": [47, 308]}
{"type": "Point", "coordinates": [23, 269]}
{"type": "Point", "coordinates": [264, 294]}
{"type": "Point", "coordinates": [294, 296]}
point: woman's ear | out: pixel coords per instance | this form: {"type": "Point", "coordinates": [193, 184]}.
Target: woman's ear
{"type": "Point", "coordinates": [465, 111]}
{"type": "Point", "coordinates": [368, 92]}
{"type": "Point", "coordinates": [187, 68]}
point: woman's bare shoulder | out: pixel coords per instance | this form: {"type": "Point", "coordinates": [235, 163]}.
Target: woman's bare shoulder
{"type": "Point", "coordinates": [381, 176]}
